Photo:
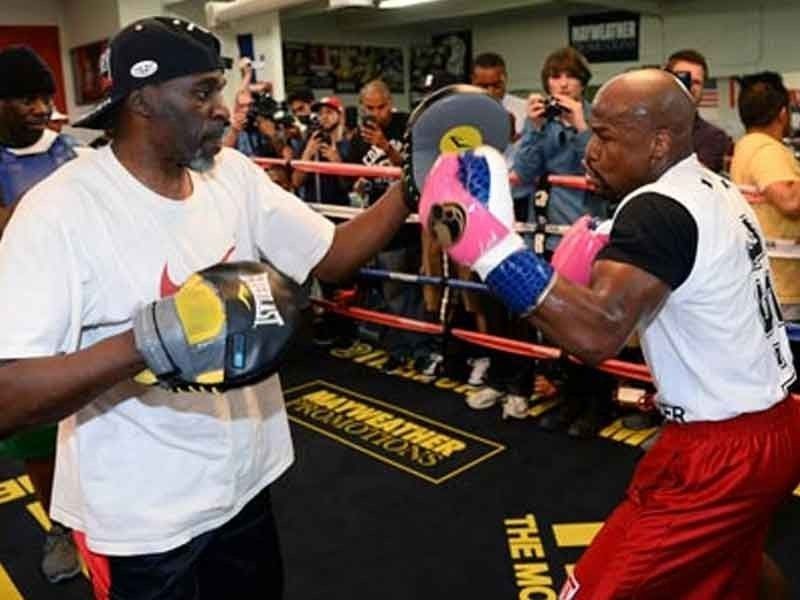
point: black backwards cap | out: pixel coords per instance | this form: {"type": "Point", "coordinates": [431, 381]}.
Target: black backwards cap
{"type": "Point", "coordinates": [23, 73]}
{"type": "Point", "coordinates": [151, 51]}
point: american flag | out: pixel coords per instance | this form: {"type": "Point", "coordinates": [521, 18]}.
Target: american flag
{"type": "Point", "coordinates": [710, 95]}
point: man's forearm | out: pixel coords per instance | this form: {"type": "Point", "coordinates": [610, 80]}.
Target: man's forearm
{"type": "Point", "coordinates": [357, 240]}
{"type": "Point", "coordinates": [35, 391]}
{"type": "Point", "coordinates": [582, 322]}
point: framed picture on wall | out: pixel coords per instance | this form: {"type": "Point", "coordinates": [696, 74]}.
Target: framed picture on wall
{"type": "Point", "coordinates": [90, 81]}
{"type": "Point", "coordinates": [453, 53]}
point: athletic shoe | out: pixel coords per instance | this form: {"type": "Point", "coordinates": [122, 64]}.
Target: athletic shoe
{"type": "Point", "coordinates": [323, 334]}
{"type": "Point", "coordinates": [486, 397]}
{"type": "Point", "coordinates": [562, 415]}
{"type": "Point", "coordinates": [587, 425]}
{"type": "Point", "coordinates": [394, 362]}
{"type": "Point", "coordinates": [592, 419]}
{"type": "Point", "coordinates": [479, 368]}
{"type": "Point", "coordinates": [642, 420]}
{"type": "Point", "coordinates": [515, 406]}
{"type": "Point", "coordinates": [60, 560]}
{"type": "Point", "coordinates": [430, 365]}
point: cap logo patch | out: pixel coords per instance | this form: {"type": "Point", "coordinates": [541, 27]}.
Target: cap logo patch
{"type": "Point", "coordinates": [144, 68]}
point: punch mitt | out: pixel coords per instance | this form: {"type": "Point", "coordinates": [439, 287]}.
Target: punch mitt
{"type": "Point", "coordinates": [578, 248]}
{"type": "Point", "coordinates": [228, 326]}
{"type": "Point", "coordinates": [454, 118]}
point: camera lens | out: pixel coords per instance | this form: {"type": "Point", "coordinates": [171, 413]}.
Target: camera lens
{"type": "Point", "coordinates": [552, 108]}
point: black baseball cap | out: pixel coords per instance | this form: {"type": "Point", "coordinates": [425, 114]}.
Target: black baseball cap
{"type": "Point", "coordinates": [23, 73]}
{"type": "Point", "coordinates": [151, 51]}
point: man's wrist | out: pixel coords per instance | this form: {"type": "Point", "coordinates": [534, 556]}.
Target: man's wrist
{"type": "Point", "coordinates": [522, 281]}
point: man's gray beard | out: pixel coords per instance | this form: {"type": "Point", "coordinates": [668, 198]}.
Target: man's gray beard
{"type": "Point", "coordinates": [200, 163]}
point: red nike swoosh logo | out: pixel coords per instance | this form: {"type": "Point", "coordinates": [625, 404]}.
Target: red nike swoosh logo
{"type": "Point", "coordinates": [169, 287]}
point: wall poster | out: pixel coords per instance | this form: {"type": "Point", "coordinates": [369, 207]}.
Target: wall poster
{"type": "Point", "coordinates": [343, 69]}
{"type": "Point", "coordinates": [90, 81]}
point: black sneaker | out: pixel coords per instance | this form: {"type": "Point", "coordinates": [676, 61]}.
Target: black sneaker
{"type": "Point", "coordinates": [59, 556]}
{"type": "Point", "coordinates": [587, 425]}
{"type": "Point", "coordinates": [393, 362]}
{"type": "Point", "coordinates": [560, 417]}
{"type": "Point", "coordinates": [591, 420]}
{"type": "Point", "coordinates": [642, 420]}
{"type": "Point", "coordinates": [323, 334]}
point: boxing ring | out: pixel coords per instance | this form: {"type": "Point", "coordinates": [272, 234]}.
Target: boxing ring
{"type": "Point", "coordinates": [344, 307]}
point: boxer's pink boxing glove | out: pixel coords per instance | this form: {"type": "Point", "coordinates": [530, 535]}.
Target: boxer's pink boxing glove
{"type": "Point", "coordinates": [466, 205]}
{"type": "Point", "coordinates": [578, 248]}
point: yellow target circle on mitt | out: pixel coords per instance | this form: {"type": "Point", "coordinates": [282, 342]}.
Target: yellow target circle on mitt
{"type": "Point", "coordinates": [460, 138]}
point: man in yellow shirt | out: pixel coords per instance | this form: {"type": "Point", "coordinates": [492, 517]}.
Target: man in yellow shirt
{"type": "Point", "coordinates": [760, 159]}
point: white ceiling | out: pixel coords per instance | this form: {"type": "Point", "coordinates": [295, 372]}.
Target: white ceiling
{"type": "Point", "coordinates": [444, 10]}
{"type": "Point", "coordinates": [454, 9]}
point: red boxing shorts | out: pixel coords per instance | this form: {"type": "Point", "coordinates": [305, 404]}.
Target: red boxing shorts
{"type": "Point", "coordinates": [695, 517]}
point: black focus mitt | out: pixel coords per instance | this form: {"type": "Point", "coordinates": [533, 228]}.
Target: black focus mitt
{"type": "Point", "coordinates": [454, 118]}
{"type": "Point", "coordinates": [228, 326]}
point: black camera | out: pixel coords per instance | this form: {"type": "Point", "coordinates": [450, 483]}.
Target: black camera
{"type": "Point", "coordinates": [263, 105]}
{"type": "Point", "coordinates": [315, 129]}
{"type": "Point", "coordinates": [283, 116]}
{"type": "Point", "coordinates": [552, 109]}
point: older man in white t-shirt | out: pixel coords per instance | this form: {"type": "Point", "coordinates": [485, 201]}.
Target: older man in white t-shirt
{"type": "Point", "coordinates": [167, 492]}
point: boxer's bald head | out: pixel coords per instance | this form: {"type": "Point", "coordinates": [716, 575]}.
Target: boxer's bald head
{"type": "Point", "coordinates": [642, 125]}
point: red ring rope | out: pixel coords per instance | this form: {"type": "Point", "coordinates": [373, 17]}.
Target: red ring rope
{"type": "Point", "coordinates": [578, 182]}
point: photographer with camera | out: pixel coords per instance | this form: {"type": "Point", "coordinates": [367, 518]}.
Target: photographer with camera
{"type": "Point", "coordinates": [324, 142]}
{"type": "Point", "coordinates": [555, 138]}
{"type": "Point", "coordinates": [554, 142]}
{"type": "Point", "coordinates": [300, 101]}
{"type": "Point", "coordinates": [711, 143]}
{"type": "Point", "coordinates": [258, 130]}
{"type": "Point", "coordinates": [379, 142]}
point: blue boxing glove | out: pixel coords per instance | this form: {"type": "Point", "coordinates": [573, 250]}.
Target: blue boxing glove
{"type": "Point", "coordinates": [466, 205]}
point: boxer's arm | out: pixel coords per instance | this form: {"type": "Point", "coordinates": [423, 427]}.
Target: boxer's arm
{"type": "Point", "coordinates": [35, 391]}
{"type": "Point", "coordinates": [357, 240]}
{"type": "Point", "coordinates": [593, 323]}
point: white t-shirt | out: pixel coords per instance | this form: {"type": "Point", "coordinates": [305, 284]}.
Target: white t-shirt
{"type": "Point", "coordinates": [141, 470]}
{"type": "Point", "coordinates": [43, 144]}
{"type": "Point", "coordinates": [717, 348]}
{"type": "Point", "coordinates": [517, 107]}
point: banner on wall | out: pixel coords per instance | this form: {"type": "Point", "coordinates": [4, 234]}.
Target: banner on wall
{"type": "Point", "coordinates": [296, 69]}
{"type": "Point", "coordinates": [606, 37]}
{"type": "Point", "coordinates": [343, 69]}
